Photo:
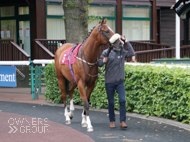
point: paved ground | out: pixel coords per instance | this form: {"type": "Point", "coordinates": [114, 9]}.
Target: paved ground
{"type": "Point", "coordinates": [20, 95]}
{"type": "Point", "coordinates": [21, 128]}
{"type": "Point", "coordinates": [24, 119]}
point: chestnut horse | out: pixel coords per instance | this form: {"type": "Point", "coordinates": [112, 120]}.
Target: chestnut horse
{"type": "Point", "coordinates": [85, 70]}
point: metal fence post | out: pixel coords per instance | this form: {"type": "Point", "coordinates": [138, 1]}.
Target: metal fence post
{"type": "Point", "coordinates": [40, 77]}
{"type": "Point", "coordinates": [32, 80]}
{"type": "Point", "coordinates": [36, 82]}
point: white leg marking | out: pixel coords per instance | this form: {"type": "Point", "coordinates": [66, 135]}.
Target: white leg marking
{"type": "Point", "coordinates": [83, 123]}
{"type": "Point", "coordinates": [71, 109]}
{"type": "Point", "coordinates": [71, 105]}
{"type": "Point", "coordinates": [89, 127]}
{"type": "Point", "coordinates": [68, 121]}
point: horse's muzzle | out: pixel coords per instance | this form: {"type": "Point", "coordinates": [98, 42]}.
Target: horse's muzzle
{"type": "Point", "coordinates": [118, 47]}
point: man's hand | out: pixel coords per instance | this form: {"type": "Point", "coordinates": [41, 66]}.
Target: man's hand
{"type": "Point", "coordinates": [133, 59]}
{"type": "Point", "coordinates": [123, 39]}
{"type": "Point", "coordinates": [105, 59]}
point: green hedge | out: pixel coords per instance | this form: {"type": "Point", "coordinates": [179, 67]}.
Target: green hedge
{"type": "Point", "coordinates": [150, 90]}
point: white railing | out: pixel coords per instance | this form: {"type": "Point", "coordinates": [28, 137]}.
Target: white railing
{"type": "Point", "coordinates": [169, 66]}
{"type": "Point", "coordinates": [44, 62]}
{"type": "Point", "coordinates": [15, 63]}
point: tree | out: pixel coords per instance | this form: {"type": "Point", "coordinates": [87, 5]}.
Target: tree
{"type": "Point", "coordinates": [76, 19]}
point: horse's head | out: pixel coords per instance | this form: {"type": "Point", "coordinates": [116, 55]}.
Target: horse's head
{"type": "Point", "coordinates": [107, 35]}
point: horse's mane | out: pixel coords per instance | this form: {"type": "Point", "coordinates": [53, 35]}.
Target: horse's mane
{"type": "Point", "coordinates": [88, 34]}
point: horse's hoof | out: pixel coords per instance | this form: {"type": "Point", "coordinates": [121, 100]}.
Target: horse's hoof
{"type": "Point", "coordinates": [83, 124]}
{"type": "Point", "coordinates": [71, 117]}
{"type": "Point", "coordinates": [68, 122]}
{"type": "Point", "coordinates": [90, 129]}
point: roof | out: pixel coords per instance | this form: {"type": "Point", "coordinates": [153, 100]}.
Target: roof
{"type": "Point", "coordinates": [136, 2]}
{"type": "Point", "coordinates": [105, 2]}
{"type": "Point", "coordinates": [101, 2]}
{"type": "Point", "coordinates": [164, 4]}
{"type": "Point", "coordinates": [56, 1]}
{"type": "Point", "coordinates": [124, 2]}
{"type": "Point", "coordinates": [159, 3]}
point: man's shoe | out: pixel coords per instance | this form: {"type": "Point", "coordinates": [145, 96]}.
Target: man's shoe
{"type": "Point", "coordinates": [123, 125]}
{"type": "Point", "coordinates": [112, 124]}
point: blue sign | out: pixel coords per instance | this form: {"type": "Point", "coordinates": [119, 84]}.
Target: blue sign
{"type": "Point", "coordinates": [7, 76]}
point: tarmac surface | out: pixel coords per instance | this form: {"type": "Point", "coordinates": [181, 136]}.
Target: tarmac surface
{"type": "Point", "coordinates": [23, 119]}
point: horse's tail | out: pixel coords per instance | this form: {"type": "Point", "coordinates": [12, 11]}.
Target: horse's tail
{"type": "Point", "coordinates": [67, 86]}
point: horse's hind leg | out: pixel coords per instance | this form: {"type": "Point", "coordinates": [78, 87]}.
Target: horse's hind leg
{"type": "Point", "coordinates": [71, 90]}
{"type": "Point", "coordinates": [62, 82]}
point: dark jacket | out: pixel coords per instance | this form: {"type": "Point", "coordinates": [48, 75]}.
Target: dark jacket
{"type": "Point", "coordinates": [114, 69]}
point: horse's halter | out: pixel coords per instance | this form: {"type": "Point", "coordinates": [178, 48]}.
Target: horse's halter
{"type": "Point", "coordinates": [100, 31]}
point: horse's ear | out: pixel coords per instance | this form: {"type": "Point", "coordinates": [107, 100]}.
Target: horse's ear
{"type": "Point", "coordinates": [101, 22]}
{"type": "Point", "coordinates": [105, 21]}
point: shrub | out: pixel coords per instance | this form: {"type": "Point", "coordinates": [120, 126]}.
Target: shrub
{"type": "Point", "coordinates": [150, 90]}
{"type": "Point", "coordinates": [52, 92]}
{"type": "Point", "coordinates": [158, 91]}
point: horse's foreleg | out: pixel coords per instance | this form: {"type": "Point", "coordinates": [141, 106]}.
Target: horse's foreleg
{"type": "Point", "coordinates": [71, 90]}
{"type": "Point", "coordinates": [61, 81]}
{"type": "Point", "coordinates": [88, 93]}
{"type": "Point", "coordinates": [83, 123]}
{"type": "Point", "coordinates": [81, 88]}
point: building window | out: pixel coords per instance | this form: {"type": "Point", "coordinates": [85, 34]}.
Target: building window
{"type": "Point", "coordinates": [7, 11]}
{"type": "Point", "coordinates": [136, 12]}
{"type": "Point", "coordinates": [8, 29]}
{"type": "Point", "coordinates": [136, 23]}
{"type": "Point", "coordinates": [23, 10]}
{"type": "Point", "coordinates": [106, 11]}
{"type": "Point", "coordinates": [55, 10]}
{"type": "Point", "coordinates": [55, 23]}
{"type": "Point", "coordinates": [102, 11]}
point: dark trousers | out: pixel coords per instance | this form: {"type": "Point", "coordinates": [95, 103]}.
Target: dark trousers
{"type": "Point", "coordinates": [110, 90]}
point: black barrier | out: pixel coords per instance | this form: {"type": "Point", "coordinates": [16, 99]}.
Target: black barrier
{"type": "Point", "coordinates": [182, 7]}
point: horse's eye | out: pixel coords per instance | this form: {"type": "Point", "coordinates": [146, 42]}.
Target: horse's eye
{"type": "Point", "coordinates": [107, 31]}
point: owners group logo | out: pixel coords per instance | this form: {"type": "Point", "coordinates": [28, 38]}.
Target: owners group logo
{"type": "Point", "coordinates": [25, 125]}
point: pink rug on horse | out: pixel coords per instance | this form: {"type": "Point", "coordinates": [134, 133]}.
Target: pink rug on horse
{"type": "Point", "coordinates": [65, 58]}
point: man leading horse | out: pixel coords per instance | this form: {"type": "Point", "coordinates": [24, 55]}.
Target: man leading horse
{"type": "Point", "coordinates": [114, 60]}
